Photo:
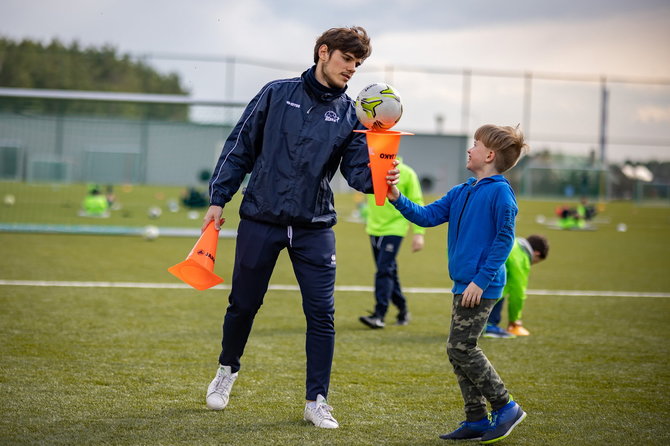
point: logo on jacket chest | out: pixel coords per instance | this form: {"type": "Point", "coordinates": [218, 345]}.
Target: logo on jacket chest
{"type": "Point", "coordinates": [331, 116]}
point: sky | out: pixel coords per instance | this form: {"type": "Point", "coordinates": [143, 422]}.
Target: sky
{"type": "Point", "coordinates": [421, 47]}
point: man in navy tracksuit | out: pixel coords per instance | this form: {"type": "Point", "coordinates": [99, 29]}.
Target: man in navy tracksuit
{"type": "Point", "coordinates": [292, 137]}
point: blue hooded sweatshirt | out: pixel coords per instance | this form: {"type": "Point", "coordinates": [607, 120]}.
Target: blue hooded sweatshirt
{"type": "Point", "coordinates": [481, 216]}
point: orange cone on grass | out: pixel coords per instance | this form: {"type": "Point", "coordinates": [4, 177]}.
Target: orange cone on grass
{"type": "Point", "coordinates": [198, 268]}
{"type": "Point", "coordinates": [383, 149]}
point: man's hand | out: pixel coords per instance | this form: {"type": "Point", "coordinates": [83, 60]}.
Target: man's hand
{"type": "Point", "coordinates": [213, 213]}
{"type": "Point", "coordinates": [472, 296]}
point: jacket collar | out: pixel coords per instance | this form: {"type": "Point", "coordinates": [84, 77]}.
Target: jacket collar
{"type": "Point", "coordinates": [525, 246]}
{"type": "Point", "coordinates": [472, 180]}
{"type": "Point", "coordinates": [318, 90]}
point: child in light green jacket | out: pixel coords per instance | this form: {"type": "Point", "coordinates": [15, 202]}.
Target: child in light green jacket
{"type": "Point", "coordinates": [525, 252]}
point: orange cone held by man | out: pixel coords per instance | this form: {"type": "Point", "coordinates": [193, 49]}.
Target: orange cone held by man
{"type": "Point", "coordinates": [198, 268]}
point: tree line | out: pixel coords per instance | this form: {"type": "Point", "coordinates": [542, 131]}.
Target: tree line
{"type": "Point", "coordinates": [32, 64]}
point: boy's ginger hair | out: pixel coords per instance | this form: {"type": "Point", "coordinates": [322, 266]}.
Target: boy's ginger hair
{"type": "Point", "coordinates": [506, 141]}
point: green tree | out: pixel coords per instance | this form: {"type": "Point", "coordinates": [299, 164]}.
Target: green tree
{"type": "Point", "coordinates": [30, 64]}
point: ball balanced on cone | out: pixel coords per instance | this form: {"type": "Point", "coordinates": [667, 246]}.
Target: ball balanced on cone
{"type": "Point", "coordinates": [378, 106]}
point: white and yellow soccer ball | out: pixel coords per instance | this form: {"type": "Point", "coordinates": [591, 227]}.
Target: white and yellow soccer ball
{"type": "Point", "coordinates": [378, 106]}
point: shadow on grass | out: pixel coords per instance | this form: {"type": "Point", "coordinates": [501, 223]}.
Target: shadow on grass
{"type": "Point", "coordinates": [178, 425]}
{"type": "Point", "coordinates": [198, 425]}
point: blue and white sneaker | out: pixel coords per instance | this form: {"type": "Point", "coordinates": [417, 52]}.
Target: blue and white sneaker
{"type": "Point", "coordinates": [470, 430]}
{"type": "Point", "coordinates": [493, 331]}
{"type": "Point", "coordinates": [503, 421]}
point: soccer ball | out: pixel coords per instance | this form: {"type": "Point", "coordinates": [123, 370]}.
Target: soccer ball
{"type": "Point", "coordinates": [150, 232]}
{"type": "Point", "coordinates": [154, 212]}
{"type": "Point", "coordinates": [378, 106]}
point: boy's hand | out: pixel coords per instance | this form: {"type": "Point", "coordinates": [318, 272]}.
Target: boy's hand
{"type": "Point", "coordinates": [393, 193]}
{"type": "Point", "coordinates": [213, 213]}
{"type": "Point", "coordinates": [471, 296]}
{"type": "Point", "coordinates": [392, 179]}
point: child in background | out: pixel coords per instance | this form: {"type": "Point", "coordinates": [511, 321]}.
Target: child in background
{"type": "Point", "coordinates": [481, 213]}
{"type": "Point", "coordinates": [387, 228]}
{"type": "Point", "coordinates": [94, 204]}
{"type": "Point", "coordinates": [526, 252]}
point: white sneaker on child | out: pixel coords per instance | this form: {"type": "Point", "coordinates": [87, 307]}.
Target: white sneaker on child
{"type": "Point", "coordinates": [318, 413]}
{"type": "Point", "coordinates": [219, 389]}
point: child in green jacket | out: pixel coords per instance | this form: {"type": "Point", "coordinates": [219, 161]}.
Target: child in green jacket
{"type": "Point", "coordinates": [525, 252]}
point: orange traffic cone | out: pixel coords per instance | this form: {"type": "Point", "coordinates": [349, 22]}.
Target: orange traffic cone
{"type": "Point", "coordinates": [198, 268]}
{"type": "Point", "coordinates": [383, 149]}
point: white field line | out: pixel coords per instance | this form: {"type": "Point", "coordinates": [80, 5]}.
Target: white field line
{"type": "Point", "coordinates": [340, 288]}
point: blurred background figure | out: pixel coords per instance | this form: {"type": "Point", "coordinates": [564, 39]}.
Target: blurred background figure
{"type": "Point", "coordinates": [525, 252]}
{"type": "Point", "coordinates": [386, 228]}
{"type": "Point", "coordinates": [577, 217]}
{"type": "Point", "coordinates": [193, 198]}
{"type": "Point", "coordinates": [94, 204]}
{"type": "Point", "coordinates": [111, 198]}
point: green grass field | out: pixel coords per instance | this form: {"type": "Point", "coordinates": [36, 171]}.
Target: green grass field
{"type": "Point", "coordinates": [130, 365]}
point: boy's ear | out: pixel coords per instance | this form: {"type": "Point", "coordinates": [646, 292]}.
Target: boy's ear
{"type": "Point", "coordinates": [491, 156]}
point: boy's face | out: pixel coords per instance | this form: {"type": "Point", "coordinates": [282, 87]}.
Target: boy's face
{"type": "Point", "coordinates": [335, 69]}
{"type": "Point", "coordinates": [479, 156]}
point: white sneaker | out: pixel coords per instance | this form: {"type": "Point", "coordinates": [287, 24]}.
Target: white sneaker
{"type": "Point", "coordinates": [372, 321]}
{"type": "Point", "coordinates": [219, 389]}
{"type": "Point", "coordinates": [319, 414]}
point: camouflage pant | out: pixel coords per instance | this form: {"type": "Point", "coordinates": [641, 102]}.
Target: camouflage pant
{"type": "Point", "coordinates": [476, 376]}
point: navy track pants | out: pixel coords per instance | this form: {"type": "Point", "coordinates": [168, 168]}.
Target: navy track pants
{"type": "Point", "coordinates": [496, 314]}
{"type": "Point", "coordinates": [387, 284]}
{"type": "Point", "coordinates": [312, 253]}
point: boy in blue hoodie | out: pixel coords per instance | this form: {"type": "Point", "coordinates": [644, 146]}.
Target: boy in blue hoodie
{"type": "Point", "coordinates": [481, 213]}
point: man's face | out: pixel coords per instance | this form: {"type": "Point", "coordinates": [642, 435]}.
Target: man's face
{"type": "Point", "coordinates": [335, 69]}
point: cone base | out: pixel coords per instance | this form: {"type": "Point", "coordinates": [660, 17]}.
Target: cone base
{"type": "Point", "coordinates": [194, 274]}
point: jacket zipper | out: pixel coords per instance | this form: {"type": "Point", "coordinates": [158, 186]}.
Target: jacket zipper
{"type": "Point", "coordinates": [458, 227]}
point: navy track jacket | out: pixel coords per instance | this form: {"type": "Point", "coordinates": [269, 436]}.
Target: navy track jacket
{"type": "Point", "coordinates": [292, 139]}
{"type": "Point", "coordinates": [481, 218]}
